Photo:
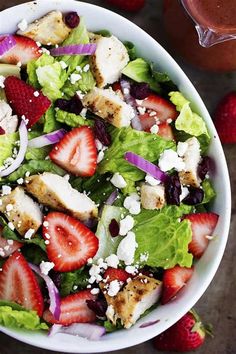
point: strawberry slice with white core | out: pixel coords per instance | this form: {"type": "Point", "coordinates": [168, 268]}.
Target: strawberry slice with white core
{"type": "Point", "coordinates": [69, 243]}
{"type": "Point", "coordinates": [156, 104]}
{"type": "Point", "coordinates": [203, 226]}
{"type": "Point", "coordinates": [25, 50]}
{"type": "Point", "coordinates": [173, 280]}
{"type": "Point", "coordinates": [74, 309]}
{"type": "Point", "coordinates": [8, 247]}
{"type": "Point", "coordinates": [76, 152]}
{"type": "Point", "coordinates": [19, 284]}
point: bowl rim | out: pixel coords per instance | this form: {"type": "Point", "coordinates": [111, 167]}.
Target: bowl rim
{"type": "Point", "coordinates": [149, 332]}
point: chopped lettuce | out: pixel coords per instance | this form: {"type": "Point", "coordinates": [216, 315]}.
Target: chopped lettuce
{"type": "Point", "coordinates": [209, 191]}
{"type": "Point", "coordinates": [108, 244]}
{"type": "Point", "coordinates": [35, 166]}
{"type": "Point", "coordinates": [187, 121]}
{"type": "Point", "coordinates": [71, 119]}
{"type": "Point", "coordinates": [50, 122]}
{"type": "Point", "coordinates": [15, 316]}
{"type": "Point", "coordinates": [51, 78]}
{"type": "Point", "coordinates": [37, 153]}
{"type": "Point", "coordinates": [131, 50]}
{"type": "Point", "coordinates": [7, 142]}
{"type": "Point", "coordinates": [144, 144]}
{"type": "Point", "coordinates": [33, 65]}
{"type": "Point", "coordinates": [163, 237]}
{"type": "Point", "coordinates": [71, 282]}
{"type": "Point", "coordinates": [139, 70]}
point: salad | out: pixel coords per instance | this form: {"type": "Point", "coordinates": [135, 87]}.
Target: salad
{"type": "Point", "coordinates": [105, 181]}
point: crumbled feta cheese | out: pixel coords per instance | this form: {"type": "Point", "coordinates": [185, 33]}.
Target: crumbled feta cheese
{"type": "Point", "coordinates": [84, 112]}
{"type": "Point", "coordinates": [144, 257]}
{"type": "Point", "coordinates": [45, 267]}
{"type": "Point", "coordinates": [126, 248]}
{"type": "Point", "coordinates": [2, 253]}
{"type": "Point", "coordinates": [114, 288]}
{"type": "Point", "coordinates": [6, 190]}
{"type": "Point", "coordinates": [78, 68]}
{"type": "Point", "coordinates": [126, 225]}
{"type": "Point", "coordinates": [94, 273]}
{"type": "Point", "coordinates": [29, 234]}
{"type": "Point", "coordinates": [2, 79]}
{"type": "Point", "coordinates": [90, 261]}
{"type": "Point", "coordinates": [112, 261]}
{"type": "Point", "coordinates": [86, 68]}
{"type": "Point", "coordinates": [38, 44]}
{"type": "Point", "coordinates": [19, 64]}
{"type": "Point", "coordinates": [74, 78]}
{"type": "Point", "coordinates": [139, 102]}
{"type": "Point", "coordinates": [47, 242]}
{"type": "Point", "coordinates": [152, 113]}
{"type": "Point", "coordinates": [169, 120]}
{"type": "Point", "coordinates": [132, 204]}
{"type": "Point", "coordinates": [9, 207]}
{"type": "Point", "coordinates": [36, 94]}
{"type": "Point", "coordinates": [80, 94]}
{"type": "Point", "coordinates": [27, 174]}
{"type": "Point", "coordinates": [118, 181]}
{"type": "Point", "coordinates": [10, 242]}
{"type": "Point", "coordinates": [6, 248]}
{"type": "Point", "coordinates": [63, 64]}
{"type": "Point", "coordinates": [98, 144]}
{"type": "Point", "coordinates": [11, 226]}
{"type": "Point", "coordinates": [141, 110]}
{"type": "Point", "coordinates": [45, 51]}
{"type": "Point", "coordinates": [22, 25]}
{"type": "Point", "coordinates": [184, 193]}
{"type": "Point", "coordinates": [20, 181]}
{"type": "Point", "coordinates": [169, 159]}
{"type": "Point", "coordinates": [100, 156]}
{"type": "Point", "coordinates": [131, 269]}
{"type": "Point", "coordinates": [154, 129]}
{"type": "Point", "coordinates": [181, 148]}
{"type": "Point", "coordinates": [95, 291]}
{"type": "Point", "coordinates": [151, 180]}
{"type": "Point", "coordinates": [45, 223]}
{"type": "Point", "coordinates": [101, 263]}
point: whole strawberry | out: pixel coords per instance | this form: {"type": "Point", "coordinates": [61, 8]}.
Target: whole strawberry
{"type": "Point", "coordinates": [185, 335]}
{"type": "Point", "coordinates": [127, 5]}
{"type": "Point", "coordinates": [225, 118]}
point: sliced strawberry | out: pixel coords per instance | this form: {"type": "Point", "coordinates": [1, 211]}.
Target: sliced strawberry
{"type": "Point", "coordinates": [116, 274]}
{"type": "Point", "coordinates": [173, 280]}
{"type": "Point", "coordinates": [19, 284]}
{"type": "Point", "coordinates": [163, 108]}
{"type": "Point", "coordinates": [203, 225]}
{"type": "Point", "coordinates": [71, 243]}
{"type": "Point", "coordinates": [24, 51]}
{"type": "Point", "coordinates": [165, 131]}
{"type": "Point", "coordinates": [23, 101]}
{"type": "Point", "coordinates": [8, 247]}
{"type": "Point", "coordinates": [74, 309]}
{"type": "Point", "coordinates": [76, 152]}
{"type": "Point", "coordinates": [147, 121]}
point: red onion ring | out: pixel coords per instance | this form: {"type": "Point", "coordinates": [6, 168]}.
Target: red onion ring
{"type": "Point", "coordinates": [85, 330]}
{"type": "Point", "coordinates": [47, 139]}
{"type": "Point", "coordinates": [74, 49]}
{"type": "Point", "coordinates": [7, 43]}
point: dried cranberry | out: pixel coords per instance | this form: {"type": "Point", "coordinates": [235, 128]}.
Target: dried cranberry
{"type": "Point", "coordinates": [72, 19]}
{"type": "Point", "coordinates": [98, 306]}
{"type": "Point", "coordinates": [2, 131]}
{"type": "Point", "coordinates": [140, 90]}
{"type": "Point", "coordinates": [204, 167]}
{"type": "Point", "coordinates": [114, 228]}
{"type": "Point", "coordinates": [173, 190]}
{"type": "Point", "coordinates": [194, 197]}
{"type": "Point", "coordinates": [74, 105]}
{"type": "Point", "coordinates": [100, 132]}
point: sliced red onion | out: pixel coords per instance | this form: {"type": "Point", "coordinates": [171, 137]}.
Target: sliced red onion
{"type": "Point", "coordinates": [148, 324]}
{"type": "Point", "coordinates": [7, 43]}
{"type": "Point", "coordinates": [75, 49]}
{"type": "Point", "coordinates": [146, 166]}
{"type": "Point", "coordinates": [55, 301]}
{"type": "Point", "coordinates": [125, 87]}
{"type": "Point", "coordinates": [112, 197]}
{"type": "Point", "coordinates": [23, 133]}
{"type": "Point", "coordinates": [84, 330]}
{"type": "Point", "coordinates": [47, 139]}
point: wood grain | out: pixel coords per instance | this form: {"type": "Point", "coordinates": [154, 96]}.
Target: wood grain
{"type": "Point", "coordinates": [218, 304]}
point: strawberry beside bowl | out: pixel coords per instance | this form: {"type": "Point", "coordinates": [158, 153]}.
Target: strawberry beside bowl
{"type": "Point", "coordinates": [164, 316]}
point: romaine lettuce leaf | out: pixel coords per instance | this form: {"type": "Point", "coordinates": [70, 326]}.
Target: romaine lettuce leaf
{"type": "Point", "coordinates": [7, 142]}
{"type": "Point", "coordinates": [71, 119]}
{"type": "Point", "coordinates": [209, 191]}
{"type": "Point", "coordinates": [108, 244]}
{"type": "Point", "coordinates": [33, 65]}
{"type": "Point", "coordinates": [163, 237]}
{"type": "Point", "coordinates": [50, 122]}
{"type": "Point", "coordinates": [144, 144]}
{"type": "Point", "coordinates": [71, 282]}
{"type": "Point", "coordinates": [35, 166]}
{"type": "Point", "coordinates": [15, 316]}
{"type": "Point", "coordinates": [187, 121]}
{"type": "Point", "coordinates": [37, 153]}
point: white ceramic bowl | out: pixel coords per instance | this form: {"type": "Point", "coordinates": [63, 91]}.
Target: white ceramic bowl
{"type": "Point", "coordinates": [99, 18]}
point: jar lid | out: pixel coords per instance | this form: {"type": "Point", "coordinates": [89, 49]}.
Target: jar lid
{"type": "Point", "coordinates": [215, 19]}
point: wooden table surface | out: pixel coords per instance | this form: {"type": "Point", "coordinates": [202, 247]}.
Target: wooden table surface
{"type": "Point", "coordinates": [218, 304]}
